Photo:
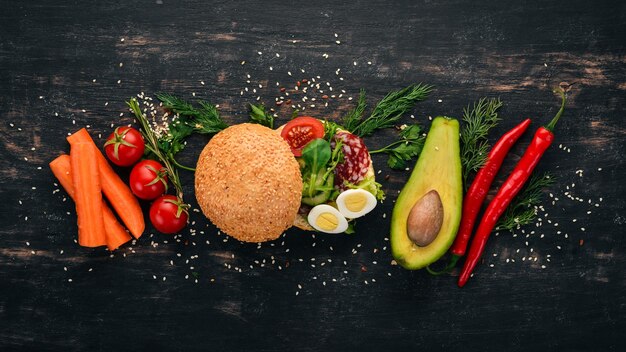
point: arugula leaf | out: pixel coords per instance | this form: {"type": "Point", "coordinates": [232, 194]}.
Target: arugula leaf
{"type": "Point", "coordinates": [259, 115]}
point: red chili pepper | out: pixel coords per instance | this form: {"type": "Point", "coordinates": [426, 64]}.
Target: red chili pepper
{"type": "Point", "coordinates": [509, 189]}
{"type": "Point", "coordinates": [478, 190]}
{"type": "Point", "coordinates": [482, 182]}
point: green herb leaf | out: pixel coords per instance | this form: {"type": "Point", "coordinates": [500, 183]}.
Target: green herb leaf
{"type": "Point", "coordinates": [478, 121]}
{"type": "Point", "coordinates": [369, 184]}
{"type": "Point", "coordinates": [208, 121]}
{"type": "Point", "coordinates": [408, 147]}
{"type": "Point", "coordinates": [396, 161]}
{"type": "Point", "coordinates": [388, 111]}
{"type": "Point", "coordinates": [205, 120]}
{"type": "Point", "coordinates": [259, 115]}
{"type": "Point", "coordinates": [316, 154]}
{"type": "Point", "coordinates": [352, 120]}
{"type": "Point", "coordinates": [351, 228]}
{"type": "Point", "coordinates": [336, 158]}
{"type": "Point", "coordinates": [188, 120]}
{"type": "Point", "coordinates": [330, 129]}
{"type": "Point", "coordinates": [152, 144]}
{"type": "Point", "coordinates": [523, 208]}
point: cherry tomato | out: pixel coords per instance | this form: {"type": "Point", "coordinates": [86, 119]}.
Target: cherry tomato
{"type": "Point", "coordinates": [300, 131]}
{"type": "Point", "coordinates": [125, 146]}
{"type": "Point", "coordinates": [168, 214]}
{"type": "Point", "coordinates": [148, 179]}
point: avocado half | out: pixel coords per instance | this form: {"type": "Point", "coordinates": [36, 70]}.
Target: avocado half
{"type": "Point", "coordinates": [438, 168]}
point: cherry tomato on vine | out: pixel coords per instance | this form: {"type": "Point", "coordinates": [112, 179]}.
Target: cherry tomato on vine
{"type": "Point", "coordinates": [148, 179]}
{"type": "Point", "coordinates": [125, 146]}
{"type": "Point", "coordinates": [169, 214]}
{"type": "Point", "coordinates": [300, 131]}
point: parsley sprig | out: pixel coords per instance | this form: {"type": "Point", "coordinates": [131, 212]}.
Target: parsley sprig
{"type": "Point", "coordinates": [408, 147]}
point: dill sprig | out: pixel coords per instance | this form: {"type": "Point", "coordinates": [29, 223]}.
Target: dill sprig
{"type": "Point", "coordinates": [188, 120]}
{"type": "Point", "coordinates": [152, 144]}
{"type": "Point", "coordinates": [258, 114]}
{"type": "Point", "coordinates": [478, 119]}
{"type": "Point", "coordinates": [387, 112]}
{"type": "Point", "coordinates": [354, 117]}
{"type": "Point", "coordinates": [205, 120]}
{"type": "Point", "coordinates": [402, 151]}
{"type": "Point", "coordinates": [523, 208]}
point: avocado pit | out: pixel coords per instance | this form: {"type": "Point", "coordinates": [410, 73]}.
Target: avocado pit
{"type": "Point", "coordinates": [425, 219]}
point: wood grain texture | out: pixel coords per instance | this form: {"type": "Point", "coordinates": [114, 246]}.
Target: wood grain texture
{"type": "Point", "coordinates": [59, 71]}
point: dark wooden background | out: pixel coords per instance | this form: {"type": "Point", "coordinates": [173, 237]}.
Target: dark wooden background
{"type": "Point", "coordinates": [60, 62]}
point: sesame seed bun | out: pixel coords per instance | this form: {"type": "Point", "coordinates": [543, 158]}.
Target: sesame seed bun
{"type": "Point", "coordinates": [248, 183]}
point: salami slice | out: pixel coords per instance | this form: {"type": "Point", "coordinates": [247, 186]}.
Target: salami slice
{"type": "Point", "coordinates": [356, 160]}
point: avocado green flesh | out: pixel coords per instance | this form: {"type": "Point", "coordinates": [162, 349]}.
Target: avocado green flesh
{"type": "Point", "coordinates": [438, 168]}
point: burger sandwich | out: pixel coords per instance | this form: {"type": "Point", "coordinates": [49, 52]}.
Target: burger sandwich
{"type": "Point", "coordinates": [253, 182]}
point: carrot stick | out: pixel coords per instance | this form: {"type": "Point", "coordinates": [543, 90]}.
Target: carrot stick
{"type": "Point", "coordinates": [117, 192]}
{"type": "Point", "coordinates": [87, 195]}
{"type": "Point", "coordinates": [62, 171]}
{"type": "Point", "coordinates": [116, 235]}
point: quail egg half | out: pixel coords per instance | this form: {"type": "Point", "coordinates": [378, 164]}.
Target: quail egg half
{"type": "Point", "coordinates": [354, 203]}
{"type": "Point", "coordinates": [327, 219]}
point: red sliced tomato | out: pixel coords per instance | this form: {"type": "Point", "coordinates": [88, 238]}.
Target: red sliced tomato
{"type": "Point", "coordinates": [125, 146]}
{"type": "Point", "coordinates": [148, 179]}
{"type": "Point", "coordinates": [300, 131]}
{"type": "Point", "coordinates": [168, 214]}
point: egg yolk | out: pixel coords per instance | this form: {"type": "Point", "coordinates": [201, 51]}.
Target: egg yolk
{"type": "Point", "coordinates": [355, 202]}
{"type": "Point", "coordinates": [327, 221]}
